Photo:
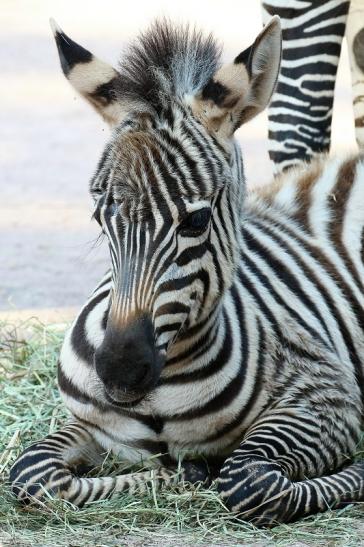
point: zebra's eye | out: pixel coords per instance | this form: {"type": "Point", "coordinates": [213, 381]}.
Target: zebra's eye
{"type": "Point", "coordinates": [195, 223]}
{"type": "Point", "coordinates": [111, 208]}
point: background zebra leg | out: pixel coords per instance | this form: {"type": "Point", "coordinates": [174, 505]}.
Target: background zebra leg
{"type": "Point", "coordinates": [355, 39]}
{"type": "Point", "coordinates": [262, 479]}
{"type": "Point", "coordinates": [301, 108]}
{"type": "Point", "coordinates": [48, 467]}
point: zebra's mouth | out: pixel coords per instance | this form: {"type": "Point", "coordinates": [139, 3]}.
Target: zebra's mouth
{"type": "Point", "coordinates": [124, 400]}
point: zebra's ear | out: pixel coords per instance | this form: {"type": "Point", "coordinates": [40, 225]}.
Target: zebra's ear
{"type": "Point", "coordinates": [89, 76]}
{"type": "Point", "coordinates": [240, 90]}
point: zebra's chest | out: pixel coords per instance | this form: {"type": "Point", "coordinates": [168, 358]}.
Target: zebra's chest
{"type": "Point", "coordinates": [188, 438]}
{"type": "Point", "coordinates": [134, 437]}
{"type": "Point", "coordinates": [164, 422]}
{"type": "Point", "coordinates": [197, 418]}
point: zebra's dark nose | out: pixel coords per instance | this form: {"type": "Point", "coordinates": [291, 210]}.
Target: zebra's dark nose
{"type": "Point", "coordinates": [127, 361]}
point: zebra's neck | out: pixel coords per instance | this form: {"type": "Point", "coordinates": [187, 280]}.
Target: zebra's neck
{"type": "Point", "coordinates": [189, 350]}
{"type": "Point", "coordinates": [216, 344]}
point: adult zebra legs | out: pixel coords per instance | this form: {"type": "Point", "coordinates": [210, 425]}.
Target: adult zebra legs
{"type": "Point", "coordinates": [355, 39]}
{"type": "Point", "coordinates": [300, 112]}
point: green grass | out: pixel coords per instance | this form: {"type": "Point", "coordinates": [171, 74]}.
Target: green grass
{"type": "Point", "coordinates": [30, 408]}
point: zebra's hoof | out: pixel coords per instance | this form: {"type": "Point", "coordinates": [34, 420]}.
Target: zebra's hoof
{"type": "Point", "coordinates": [196, 472]}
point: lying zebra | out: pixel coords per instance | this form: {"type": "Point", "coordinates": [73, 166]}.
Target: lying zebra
{"type": "Point", "coordinates": [231, 324]}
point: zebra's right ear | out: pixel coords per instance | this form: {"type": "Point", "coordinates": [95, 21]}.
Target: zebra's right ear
{"type": "Point", "coordinates": [92, 78]}
{"type": "Point", "coordinates": [240, 90]}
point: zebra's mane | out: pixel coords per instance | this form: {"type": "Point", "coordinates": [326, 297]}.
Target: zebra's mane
{"type": "Point", "coordinates": [167, 59]}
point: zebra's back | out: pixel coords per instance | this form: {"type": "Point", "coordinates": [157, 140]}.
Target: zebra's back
{"type": "Point", "coordinates": [303, 239]}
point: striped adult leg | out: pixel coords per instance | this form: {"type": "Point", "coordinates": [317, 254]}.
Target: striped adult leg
{"type": "Point", "coordinates": [300, 111]}
{"type": "Point", "coordinates": [262, 480]}
{"type": "Point", "coordinates": [47, 469]}
{"type": "Point", "coordinates": [355, 39]}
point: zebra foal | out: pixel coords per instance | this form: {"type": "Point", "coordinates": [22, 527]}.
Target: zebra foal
{"type": "Point", "coordinates": [231, 324]}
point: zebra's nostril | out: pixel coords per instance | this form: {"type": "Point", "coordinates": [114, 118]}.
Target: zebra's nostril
{"type": "Point", "coordinates": [128, 360]}
{"type": "Point", "coordinates": [122, 373]}
{"type": "Point", "coordinates": [137, 375]}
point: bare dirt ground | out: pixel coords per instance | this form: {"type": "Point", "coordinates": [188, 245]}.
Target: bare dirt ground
{"type": "Point", "coordinates": [51, 140]}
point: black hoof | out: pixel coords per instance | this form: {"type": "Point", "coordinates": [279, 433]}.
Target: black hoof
{"type": "Point", "coordinates": [196, 472]}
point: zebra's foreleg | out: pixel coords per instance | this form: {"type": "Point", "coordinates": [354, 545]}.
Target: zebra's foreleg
{"type": "Point", "coordinates": [258, 481]}
{"type": "Point", "coordinates": [47, 469]}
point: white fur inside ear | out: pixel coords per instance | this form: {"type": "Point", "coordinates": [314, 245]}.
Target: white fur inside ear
{"type": "Point", "coordinates": [219, 118]}
{"type": "Point", "coordinates": [265, 63]}
{"type": "Point", "coordinates": [87, 77]}
{"type": "Point", "coordinates": [246, 90]}
{"type": "Point", "coordinates": [235, 78]}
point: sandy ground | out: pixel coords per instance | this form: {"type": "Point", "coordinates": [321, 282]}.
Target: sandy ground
{"type": "Point", "coordinates": [51, 140]}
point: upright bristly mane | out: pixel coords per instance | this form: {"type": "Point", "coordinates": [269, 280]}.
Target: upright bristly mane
{"type": "Point", "coordinates": [170, 63]}
{"type": "Point", "coordinates": [167, 59]}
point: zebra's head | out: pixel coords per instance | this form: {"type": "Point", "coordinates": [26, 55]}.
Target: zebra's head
{"type": "Point", "coordinates": [169, 187]}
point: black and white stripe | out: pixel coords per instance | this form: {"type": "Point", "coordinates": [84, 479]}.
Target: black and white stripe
{"type": "Point", "coordinates": [247, 308]}
{"type": "Point", "coordinates": [301, 109]}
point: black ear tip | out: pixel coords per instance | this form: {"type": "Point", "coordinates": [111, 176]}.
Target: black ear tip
{"type": "Point", "coordinates": [70, 53]}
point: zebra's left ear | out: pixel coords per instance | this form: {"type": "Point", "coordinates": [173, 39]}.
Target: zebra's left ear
{"type": "Point", "coordinates": [240, 90]}
{"type": "Point", "coordinates": [94, 79]}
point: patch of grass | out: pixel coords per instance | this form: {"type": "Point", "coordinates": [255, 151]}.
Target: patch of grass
{"type": "Point", "coordinates": [30, 408]}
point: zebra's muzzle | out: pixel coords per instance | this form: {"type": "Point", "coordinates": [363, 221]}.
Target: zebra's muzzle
{"type": "Point", "coordinates": [123, 399]}
{"type": "Point", "coordinates": [128, 362]}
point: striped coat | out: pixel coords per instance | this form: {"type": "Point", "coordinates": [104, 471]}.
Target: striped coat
{"type": "Point", "coordinates": [231, 324]}
{"type": "Point", "coordinates": [301, 109]}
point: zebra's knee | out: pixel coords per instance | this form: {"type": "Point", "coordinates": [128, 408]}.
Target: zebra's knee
{"type": "Point", "coordinates": [35, 473]}
{"type": "Point", "coordinates": [254, 488]}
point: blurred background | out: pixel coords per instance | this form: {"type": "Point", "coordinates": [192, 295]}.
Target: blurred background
{"type": "Point", "coordinates": [51, 140]}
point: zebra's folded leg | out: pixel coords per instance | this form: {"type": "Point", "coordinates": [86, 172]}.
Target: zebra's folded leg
{"type": "Point", "coordinates": [47, 469]}
{"type": "Point", "coordinates": [48, 466]}
{"type": "Point", "coordinates": [258, 490]}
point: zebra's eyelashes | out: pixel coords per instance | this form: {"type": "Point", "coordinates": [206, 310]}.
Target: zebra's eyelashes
{"type": "Point", "coordinates": [110, 207]}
